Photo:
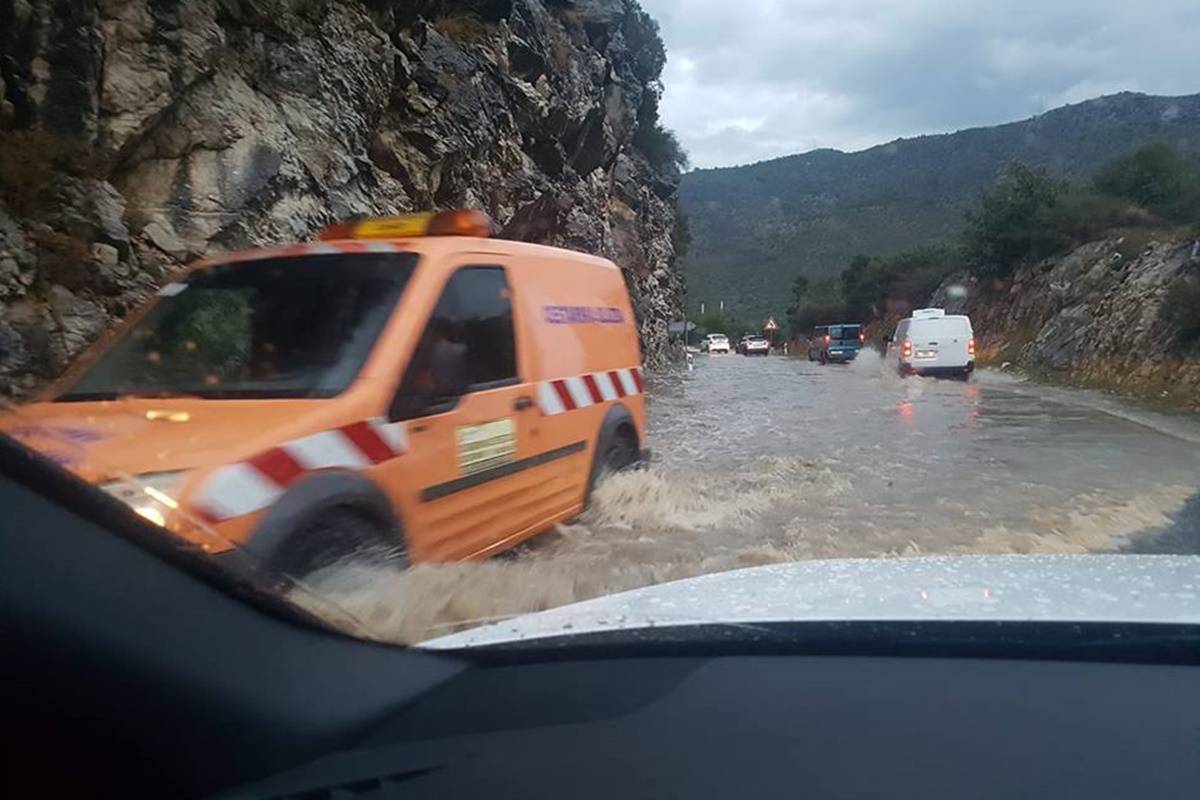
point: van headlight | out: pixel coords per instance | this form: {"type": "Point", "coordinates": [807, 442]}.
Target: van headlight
{"type": "Point", "coordinates": [153, 495]}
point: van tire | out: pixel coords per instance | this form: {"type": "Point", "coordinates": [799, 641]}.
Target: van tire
{"type": "Point", "coordinates": [341, 534]}
{"type": "Point", "coordinates": [616, 451]}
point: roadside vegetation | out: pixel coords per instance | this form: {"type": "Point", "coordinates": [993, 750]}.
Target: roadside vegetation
{"type": "Point", "coordinates": [1024, 217]}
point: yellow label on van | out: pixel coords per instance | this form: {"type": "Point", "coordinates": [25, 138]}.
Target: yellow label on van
{"type": "Point", "coordinates": [485, 446]}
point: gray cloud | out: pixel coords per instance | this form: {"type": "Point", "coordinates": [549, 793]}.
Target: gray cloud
{"type": "Point", "coordinates": [755, 79]}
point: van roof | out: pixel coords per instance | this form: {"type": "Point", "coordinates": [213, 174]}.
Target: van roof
{"type": "Point", "coordinates": [936, 319]}
{"type": "Point", "coordinates": [430, 245]}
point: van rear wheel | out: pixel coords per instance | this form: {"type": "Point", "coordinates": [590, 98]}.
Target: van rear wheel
{"type": "Point", "coordinates": [622, 452]}
{"type": "Point", "coordinates": [339, 536]}
{"type": "Point", "coordinates": [615, 453]}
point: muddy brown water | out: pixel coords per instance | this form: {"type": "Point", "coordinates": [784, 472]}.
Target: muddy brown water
{"type": "Point", "coordinates": [767, 460]}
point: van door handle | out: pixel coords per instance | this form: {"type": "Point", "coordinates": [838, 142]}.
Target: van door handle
{"type": "Point", "coordinates": [523, 402]}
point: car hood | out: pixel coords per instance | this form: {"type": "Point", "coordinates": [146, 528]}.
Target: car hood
{"type": "Point", "coordinates": [1073, 588]}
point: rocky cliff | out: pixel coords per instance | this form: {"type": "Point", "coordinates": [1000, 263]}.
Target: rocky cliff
{"type": "Point", "coordinates": [1094, 317]}
{"type": "Point", "coordinates": [137, 134]}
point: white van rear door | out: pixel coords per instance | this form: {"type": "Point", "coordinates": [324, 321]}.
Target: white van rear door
{"type": "Point", "coordinates": [939, 343]}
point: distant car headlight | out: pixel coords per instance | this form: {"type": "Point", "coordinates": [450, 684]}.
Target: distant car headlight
{"type": "Point", "coordinates": [153, 495]}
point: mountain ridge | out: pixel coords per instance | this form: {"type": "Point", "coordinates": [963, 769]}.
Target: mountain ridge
{"type": "Point", "coordinates": [756, 226]}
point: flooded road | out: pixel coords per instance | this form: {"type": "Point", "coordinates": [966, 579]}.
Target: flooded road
{"type": "Point", "coordinates": [762, 460]}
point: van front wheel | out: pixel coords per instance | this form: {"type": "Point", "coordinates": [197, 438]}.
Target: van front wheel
{"type": "Point", "coordinates": [341, 535]}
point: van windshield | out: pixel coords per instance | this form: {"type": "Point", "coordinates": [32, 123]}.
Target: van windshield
{"type": "Point", "coordinates": [285, 327]}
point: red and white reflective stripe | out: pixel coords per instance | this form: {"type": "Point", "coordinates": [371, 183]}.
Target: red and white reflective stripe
{"type": "Point", "coordinates": [581, 391]}
{"type": "Point", "coordinates": [257, 482]}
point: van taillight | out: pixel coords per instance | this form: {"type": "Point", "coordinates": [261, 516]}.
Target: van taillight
{"type": "Point", "coordinates": [862, 337]}
{"type": "Point", "coordinates": [971, 346]}
{"type": "Point", "coordinates": [906, 348]}
{"type": "Point", "coordinates": [827, 338]}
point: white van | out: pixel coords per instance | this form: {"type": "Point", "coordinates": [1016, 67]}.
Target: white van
{"type": "Point", "coordinates": [932, 342]}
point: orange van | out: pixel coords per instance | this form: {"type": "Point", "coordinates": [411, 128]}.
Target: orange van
{"type": "Point", "coordinates": [402, 382]}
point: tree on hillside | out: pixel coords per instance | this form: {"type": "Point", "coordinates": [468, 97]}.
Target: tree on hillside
{"type": "Point", "coordinates": [818, 303]}
{"type": "Point", "coordinates": [723, 322]}
{"type": "Point", "coordinates": [799, 290]}
{"type": "Point", "coordinates": [871, 286]}
{"type": "Point", "coordinates": [1151, 175]}
{"type": "Point", "coordinates": [659, 144]}
{"type": "Point", "coordinates": [1009, 224]}
{"type": "Point", "coordinates": [1157, 178]}
{"type": "Point", "coordinates": [861, 287]}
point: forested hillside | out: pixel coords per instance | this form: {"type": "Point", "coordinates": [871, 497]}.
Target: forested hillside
{"type": "Point", "coordinates": [755, 228]}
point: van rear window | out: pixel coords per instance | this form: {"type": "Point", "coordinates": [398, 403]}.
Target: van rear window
{"type": "Point", "coordinates": [843, 332]}
{"type": "Point", "coordinates": [945, 326]}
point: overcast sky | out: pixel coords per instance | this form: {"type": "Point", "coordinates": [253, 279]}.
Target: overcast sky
{"type": "Point", "coordinates": [748, 80]}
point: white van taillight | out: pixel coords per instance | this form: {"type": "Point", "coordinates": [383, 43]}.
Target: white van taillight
{"type": "Point", "coordinates": [971, 346]}
{"type": "Point", "coordinates": [906, 348]}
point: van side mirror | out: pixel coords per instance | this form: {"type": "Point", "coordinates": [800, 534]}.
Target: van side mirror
{"type": "Point", "coordinates": [434, 388]}
{"type": "Point", "coordinates": [411, 404]}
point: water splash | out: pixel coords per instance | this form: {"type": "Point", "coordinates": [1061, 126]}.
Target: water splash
{"type": "Point", "coordinates": [774, 460]}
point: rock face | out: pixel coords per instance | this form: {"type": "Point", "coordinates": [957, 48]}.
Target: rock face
{"type": "Point", "coordinates": [138, 134]}
{"type": "Point", "coordinates": [1092, 317]}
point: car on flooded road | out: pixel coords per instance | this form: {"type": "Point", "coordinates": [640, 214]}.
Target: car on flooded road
{"type": "Point", "coordinates": [932, 342]}
{"type": "Point", "coordinates": [754, 345]}
{"type": "Point", "coordinates": [404, 385]}
{"type": "Point", "coordinates": [835, 343]}
{"type": "Point", "coordinates": [715, 344]}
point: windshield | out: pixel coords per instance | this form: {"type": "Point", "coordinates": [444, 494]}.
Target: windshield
{"type": "Point", "coordinates": [288, 327]}
{"type": "Point", "coordinates": [435, 315]}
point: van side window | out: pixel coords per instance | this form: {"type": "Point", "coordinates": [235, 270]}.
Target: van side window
{"type": "Point", "coordinates": [468, 344]}
{"type": "Point", "coordinates": [901, 330]}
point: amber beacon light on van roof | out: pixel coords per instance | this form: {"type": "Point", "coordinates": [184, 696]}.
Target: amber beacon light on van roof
{"type": "Point", "coordinates": [455, 222]}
